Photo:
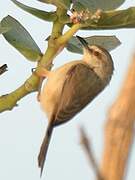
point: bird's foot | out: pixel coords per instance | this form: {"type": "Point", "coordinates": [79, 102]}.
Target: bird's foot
{"type": "Point", "coordinates": [42, 73]}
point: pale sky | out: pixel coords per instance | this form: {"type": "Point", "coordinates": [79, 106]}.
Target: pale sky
{"type": "Point", "coordinates": [22, 129]}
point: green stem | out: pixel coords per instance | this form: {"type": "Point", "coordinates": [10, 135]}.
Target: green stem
{"type": "Point", "coordinates": [56, 43]}
{"type": "Point", "coordinates": [65, 37]}
{"type": "Point", "coordinates": [8, 101]}
{"type": "Point", "coordinates": [53, 46]}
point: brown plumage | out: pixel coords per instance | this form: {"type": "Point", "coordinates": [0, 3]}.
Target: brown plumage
{"type": "Point", "coordinates": [71, 87]}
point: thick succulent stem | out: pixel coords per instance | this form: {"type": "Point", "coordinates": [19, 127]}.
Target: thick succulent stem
{"type": "Point", "coordinates": [56, 43]}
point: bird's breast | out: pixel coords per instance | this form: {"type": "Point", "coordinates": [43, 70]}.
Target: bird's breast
{"type": "Point", "coordinates": [51, 91]}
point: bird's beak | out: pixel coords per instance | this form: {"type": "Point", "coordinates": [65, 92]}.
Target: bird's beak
{"type": "Point", "coordinates": [84, 43]}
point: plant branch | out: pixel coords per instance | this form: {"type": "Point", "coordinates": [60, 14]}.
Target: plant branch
{"type": "Point", "coordinates": [8, 101]}
{"type": "Point", "coordinates": [65, 37]}
{"type": "Point", "coordinates": [119, 130]}
{"type": "Point", "coordinates": [87, 147]}
{"type": "Point", "coordinates": [55, 46]}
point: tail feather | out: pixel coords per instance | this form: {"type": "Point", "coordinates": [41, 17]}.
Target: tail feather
{"type": "Point", "coordinates": [44, 146]}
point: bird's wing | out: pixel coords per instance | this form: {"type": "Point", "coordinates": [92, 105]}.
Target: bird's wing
{"type": "Point", "coordinates": [81, 85]}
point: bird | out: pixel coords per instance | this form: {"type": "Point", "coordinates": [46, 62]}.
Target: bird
{"type": "Point", "coordinates": [71, 87]}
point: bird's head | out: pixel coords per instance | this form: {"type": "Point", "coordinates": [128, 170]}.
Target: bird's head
{"type": "Point", "coordinates": [98, 58]}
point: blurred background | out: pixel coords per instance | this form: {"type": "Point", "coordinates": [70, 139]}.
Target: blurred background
{"type": "Point", "coordinates": [23, 128]}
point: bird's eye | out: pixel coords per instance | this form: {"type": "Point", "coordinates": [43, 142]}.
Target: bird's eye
{"type": "Point", "coordinates": [96, 53]}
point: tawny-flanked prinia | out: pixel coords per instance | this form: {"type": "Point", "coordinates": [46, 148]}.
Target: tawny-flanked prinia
{"type": "Point", "coordinates": [71, 87]}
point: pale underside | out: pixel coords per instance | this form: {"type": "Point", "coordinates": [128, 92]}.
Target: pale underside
{"type": "Point", "coordinates": [69, 94]}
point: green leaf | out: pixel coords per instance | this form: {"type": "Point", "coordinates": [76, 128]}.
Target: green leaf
{"type": "Point", "coordinates": [19, 38]}
{"type": "Point", "coordinates": [112, 20]}
{"type": "Point", "coordinates": [65, 4]}
{"type": "Point", "coordinates": [108, 42]}
{"type": "Point", "coordinates": [4, 29]}
{"type": "Point", "coordinates": [118, 19]}
{"type": "Point", "coordinates": [48, 16]}
{"type": "Point", "coordinates": [96, 4]}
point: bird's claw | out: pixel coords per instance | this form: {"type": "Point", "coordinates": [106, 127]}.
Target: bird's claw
{"type": "Point", "coordinates": [42, 73]}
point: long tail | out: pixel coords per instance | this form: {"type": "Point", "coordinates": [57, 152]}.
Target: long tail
{"type": "Point", "coordinates": [44, 146]}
